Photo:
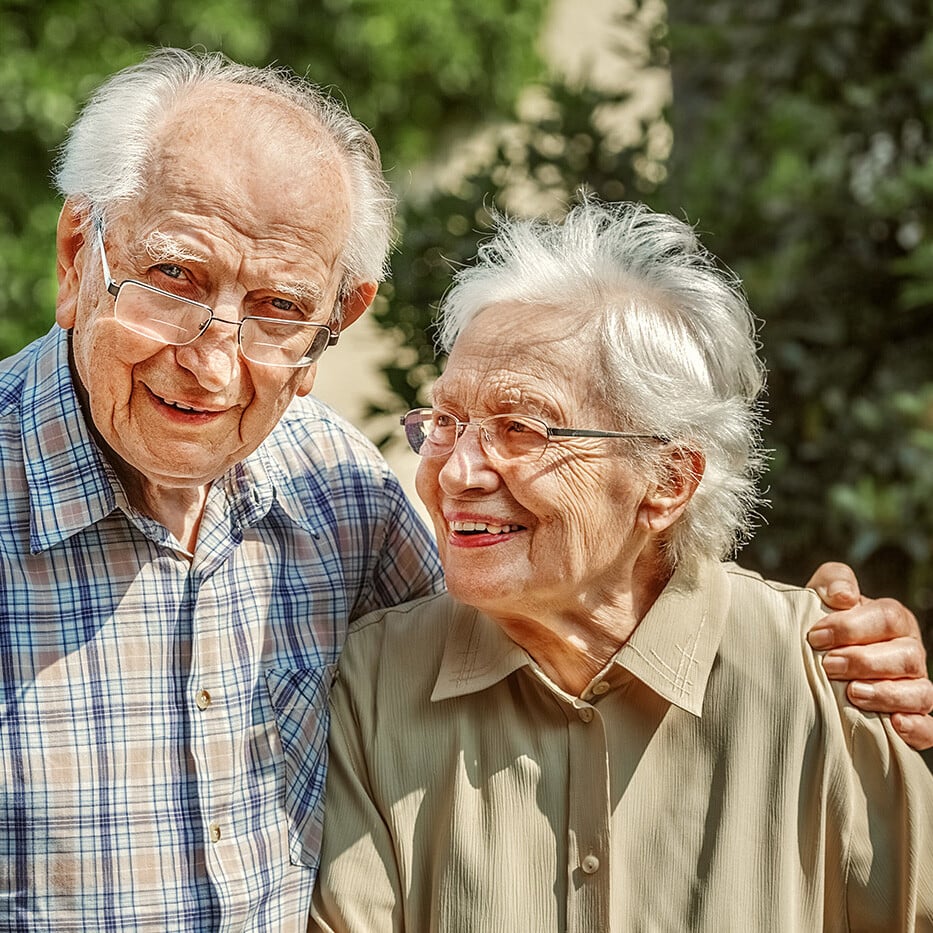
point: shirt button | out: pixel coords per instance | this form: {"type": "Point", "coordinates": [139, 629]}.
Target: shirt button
{"type": "Point", "coordinates": [214, 831]}
{"type": "Point", "coordinates": [590, 864]}
{"type": "Point", "coordinates": [585, 714]}
{"type": "Point", "coordinates": [203, 699]}
{"type": "Point", "coordinates": [601, 688]}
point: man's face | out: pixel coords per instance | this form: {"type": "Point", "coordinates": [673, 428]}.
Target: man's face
{"type": "Point", "coordinates": [245, 206]}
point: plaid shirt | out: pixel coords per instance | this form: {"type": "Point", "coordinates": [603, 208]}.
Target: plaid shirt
{"type": "Point", "coordinates": [163, 720]}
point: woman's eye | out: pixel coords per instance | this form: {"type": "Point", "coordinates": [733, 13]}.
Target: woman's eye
{"type": "Point", "coordinates": [442, 421]}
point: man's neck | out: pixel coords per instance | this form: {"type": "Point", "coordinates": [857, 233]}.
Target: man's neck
{"type": "Point", "coordinates": [179, 509]}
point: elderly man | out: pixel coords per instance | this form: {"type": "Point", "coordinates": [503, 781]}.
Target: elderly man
{"type": "Point", "coordinates": [603, 727]}
{"type": "Point", "coordinates": [184, 531]}
{"type": "Point", "coordinates": [177, 580]}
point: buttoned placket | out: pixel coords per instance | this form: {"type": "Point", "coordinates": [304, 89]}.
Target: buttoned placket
{"type": "Point", "coordinates": [216, 716]}
{"type": "Point", "coordinates": [588, 848]}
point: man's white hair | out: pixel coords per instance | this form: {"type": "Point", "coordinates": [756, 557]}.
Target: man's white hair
{"type": "Point", "coordinates": [106, 156]}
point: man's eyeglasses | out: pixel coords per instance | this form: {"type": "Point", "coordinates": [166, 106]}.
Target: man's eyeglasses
{"type": "Point", "coordinates": [433, 433]}
{"type": "Point", "coordinates": [171, 319]}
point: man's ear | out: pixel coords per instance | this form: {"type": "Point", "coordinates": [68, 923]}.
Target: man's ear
{"type": "Point", "coordinates": [69, 241]}
{"type": "Point", "coordinates": [353, 306]}
{"type": "Point", "coordinates": [307, 381]}
{"type": "Point", "coordinates": [357, 302]}
{"type": "Point", "coordinates": [665, 503]}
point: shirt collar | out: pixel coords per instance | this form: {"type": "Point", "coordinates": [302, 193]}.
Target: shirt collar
{"type": "Point", "coordinates": [71, 484]}
{"type": "Point", "coordinates": [672, 650]}
{"type": "Point", "coordinates": [477, 654]}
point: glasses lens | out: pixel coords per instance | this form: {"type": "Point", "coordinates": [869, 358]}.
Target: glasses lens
{"type": "Point", "coordinates": [283, 343]}
{"type": "Point", "coordinates": [430, 433]}
{"type": "Point", "coordinates": [509, 437]}
{"type": "Point", "coordinates": [505, 437]}
{"type": "Point", "coordinates": [158, 315]}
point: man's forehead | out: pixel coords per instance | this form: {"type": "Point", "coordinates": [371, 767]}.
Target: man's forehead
{"type": "Point", "coordinates": [160, 246]}
{"type": "Point", "coordinates": [251, 112]}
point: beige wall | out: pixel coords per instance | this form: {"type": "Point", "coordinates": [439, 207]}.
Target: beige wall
{"type": "Point", "coordinates": [348, 379]}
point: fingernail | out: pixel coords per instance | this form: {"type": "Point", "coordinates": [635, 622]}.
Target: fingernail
{"type": "Point", "coordinates": [820, 637]}
{"type": "Point", "coordinates": [835, 664]}
{"type": "Point", "coordinates": [861, 691]}
{"type": "Point", "coordinates": [840, 589]}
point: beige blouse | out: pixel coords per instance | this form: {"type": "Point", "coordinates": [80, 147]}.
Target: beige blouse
{"type": "Point", "coordinates": [710, 778]}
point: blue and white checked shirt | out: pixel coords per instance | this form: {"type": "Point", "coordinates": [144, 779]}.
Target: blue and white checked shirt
{"type": "Point", "coordinates": [163, 721]}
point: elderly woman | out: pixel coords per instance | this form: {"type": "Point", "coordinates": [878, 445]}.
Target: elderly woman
{"type": "Point", "coordinates": [603, 726]}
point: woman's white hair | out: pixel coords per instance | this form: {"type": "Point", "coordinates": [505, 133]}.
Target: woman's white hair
{"type": "Point", "coordinates": [675, 349]}
{"type": "Point", "coordinates": [106, 156]}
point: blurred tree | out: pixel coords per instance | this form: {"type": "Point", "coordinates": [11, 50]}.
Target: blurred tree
{"type": "Point", "coordinates": [803, 145]}
{"type": "Point", "coordinates": [418, 74]}
{"type": "Point", "coordinates": [562, 142]}
{"type": "Point", "coordinates": [802, 150]}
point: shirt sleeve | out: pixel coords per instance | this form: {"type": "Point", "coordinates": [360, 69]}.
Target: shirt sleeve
{"type": "Point", "coordinates": [358, 887]}
{"type": "Point", "coordinates": [406, 563]}
{"type": "Point", "coordinates": [888, 830]}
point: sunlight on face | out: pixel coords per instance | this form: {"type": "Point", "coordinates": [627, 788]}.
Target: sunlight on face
{"type": "Point", "coordinates": [512, 534]}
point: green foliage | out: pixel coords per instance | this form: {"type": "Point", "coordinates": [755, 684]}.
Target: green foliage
{"type": "Point", "coordinates": [416, 73]}
{"type": "Point", "coordinates": [805, 150]}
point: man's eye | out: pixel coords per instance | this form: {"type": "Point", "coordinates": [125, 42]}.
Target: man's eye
{"type": "Point", "coordinates": [170, 270]}
{"type": "Point", "coordinates": [274, 306]}
{"type": "Point", "coordinates": [517, 427]}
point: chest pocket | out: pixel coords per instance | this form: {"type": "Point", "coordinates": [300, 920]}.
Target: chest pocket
{"type": "Point", "coordinates": [299, 699]}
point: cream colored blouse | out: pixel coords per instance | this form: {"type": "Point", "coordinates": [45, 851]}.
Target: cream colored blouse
{"type": "Point", "coordinates": [710, 778]}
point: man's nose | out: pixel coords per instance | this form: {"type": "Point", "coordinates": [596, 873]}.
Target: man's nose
{"type": "Point", "coordinates": [213, 357]}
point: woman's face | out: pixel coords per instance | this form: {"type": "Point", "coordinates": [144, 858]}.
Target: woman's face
{"type": "Point", "coordinates": [558, 533]}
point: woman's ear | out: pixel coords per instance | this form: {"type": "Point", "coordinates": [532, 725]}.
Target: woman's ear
{"type": "Point", "coordinates": [664, 503]}
{"type": "Point", "coordinates": [69, 241]}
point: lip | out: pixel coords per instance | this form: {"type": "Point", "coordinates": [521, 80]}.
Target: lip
{"type": "Point", "coordinates": [188, 413]}
{"type": "Point", "coordinates": [505, 531]}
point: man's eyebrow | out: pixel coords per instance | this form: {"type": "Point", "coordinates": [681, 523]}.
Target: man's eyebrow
{"type": "Point", "coordinates": [160, 247]}
{"type": "Point", "coordinates": [303, 291]}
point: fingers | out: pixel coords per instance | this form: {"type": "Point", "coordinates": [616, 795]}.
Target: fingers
{"type": "Point", "coordinates": [885, 660]}
{"type": "Point", "coordinates": [874, 620]}
{"type": "Point", "coordinates": [836, 585]}
{"type": "Point", "coordinates": [916, 731]}
{"type": "Point", "coordinates": [909, 702]}
{"type": "Point", "coordinates": [876, 644]}
{"type": "Point", "coordinates": [904, 697]}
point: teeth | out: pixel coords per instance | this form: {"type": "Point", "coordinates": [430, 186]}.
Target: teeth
{"type": "Point", "coordinates": [483, 526]}
{"type": "Point", "coordinates": [180, 406]}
